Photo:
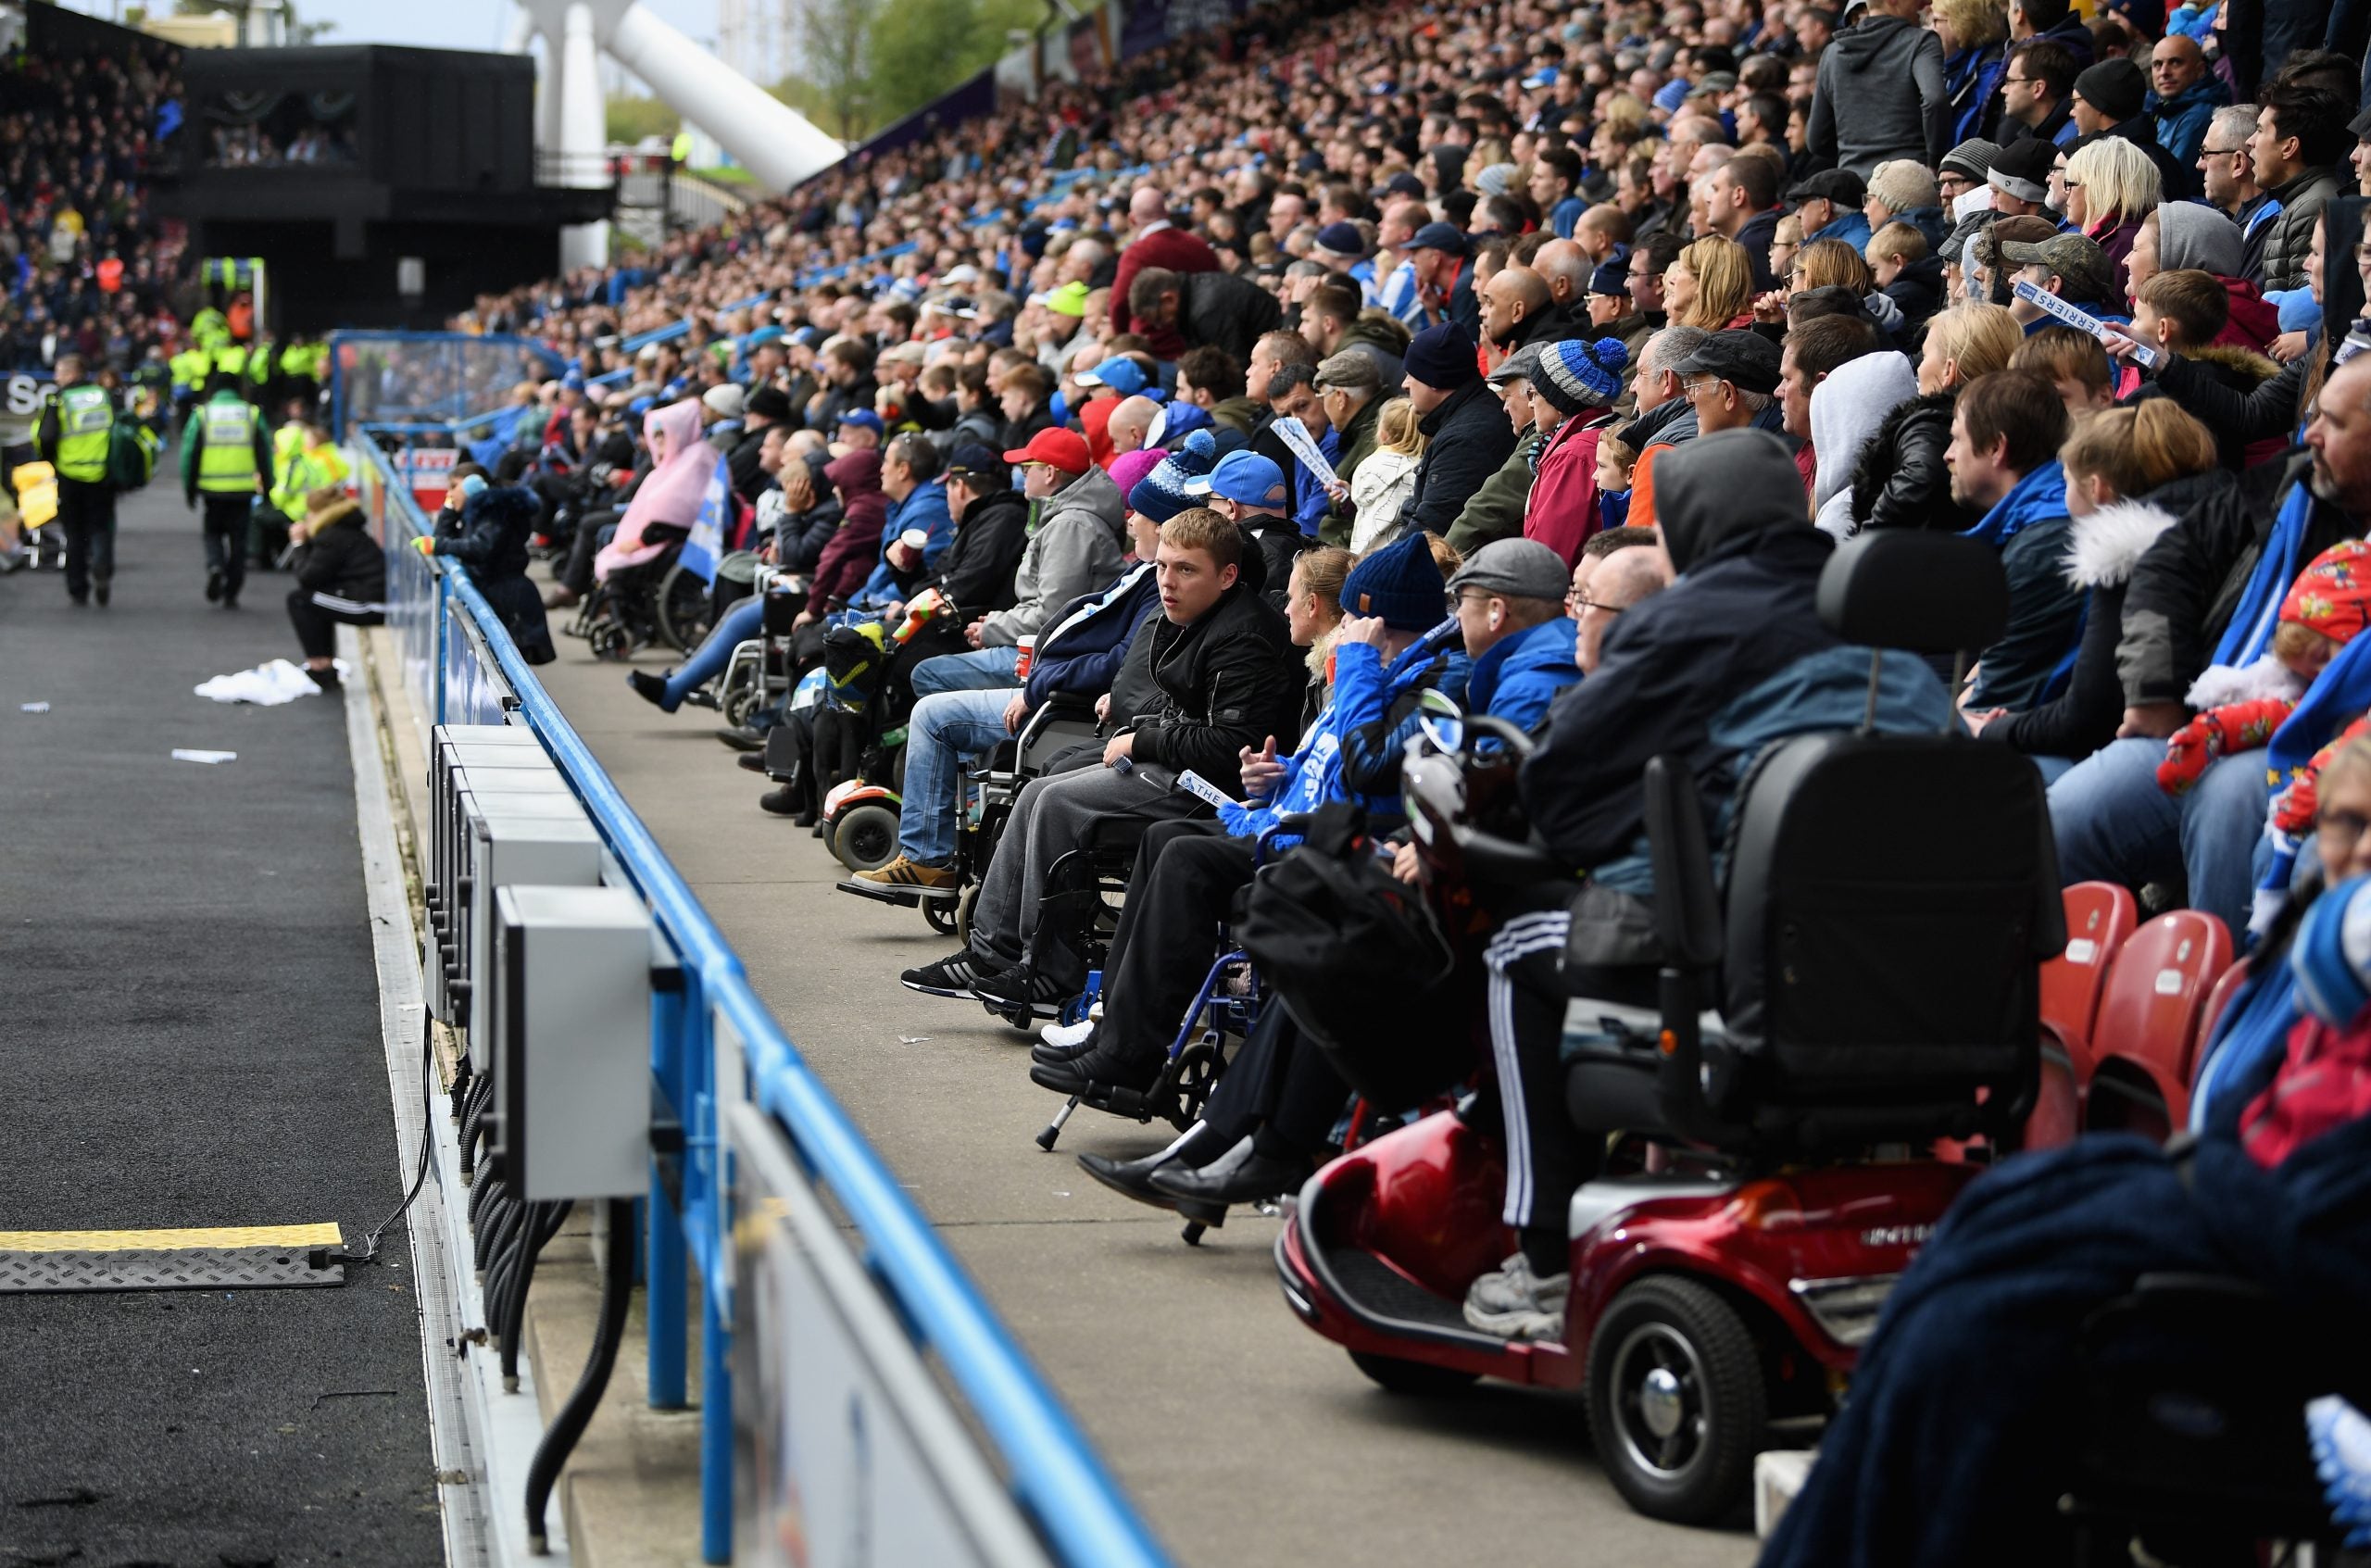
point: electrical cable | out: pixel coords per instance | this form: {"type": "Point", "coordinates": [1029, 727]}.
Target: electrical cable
{"type": "Point", "coordinates": [560, 1440]}
{"type": "Point", "coordinates": [513, 1307]}
{"type": "Point", "coordinates": [369, 1252]}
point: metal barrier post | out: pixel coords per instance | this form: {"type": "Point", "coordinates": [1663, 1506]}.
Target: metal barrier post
{"type": "Point", "coordinates": [664, 1258]}
{"type": "Point", "coordinates": [716, 1432]}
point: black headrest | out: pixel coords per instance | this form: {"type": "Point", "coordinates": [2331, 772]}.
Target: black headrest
{"type": "Point", "coordinates": [1905, 588]}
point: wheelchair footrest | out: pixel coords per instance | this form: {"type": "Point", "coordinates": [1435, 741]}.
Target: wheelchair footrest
{"type": "Point", "coordinates": [904, 897]}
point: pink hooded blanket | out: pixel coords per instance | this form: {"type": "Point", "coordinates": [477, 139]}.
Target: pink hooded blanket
{"type": "Point", "coordinates": [670, 492]}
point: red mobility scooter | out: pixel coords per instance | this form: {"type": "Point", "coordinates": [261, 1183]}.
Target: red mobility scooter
{"type": "Point", "coordinates": [1866, 984]}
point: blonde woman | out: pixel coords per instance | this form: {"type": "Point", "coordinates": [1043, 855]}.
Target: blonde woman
{"type": "Point", "coordinates": [1902, 481]}
{"type": "Point", "coordinates": [1709, 284]}
{"type": "Point", "coordinates": [1380, 486]}
{"type": "Point", "coordinates": [2112, 185]}
{"type": "Point", "coordinates": [1833, 263]}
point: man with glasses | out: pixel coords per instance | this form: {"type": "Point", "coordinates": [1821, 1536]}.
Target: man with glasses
{"type": "Point", "coordinates": [2229, 171]}
{"type": "Point", "coordinates": [1732, 382]}
{"type": "Point", "coordinates": [2036, 95]}
{"type": "Point", "coordinates": [1350, 391]}
{"type": "Point", "coordinates": [1632, 570]}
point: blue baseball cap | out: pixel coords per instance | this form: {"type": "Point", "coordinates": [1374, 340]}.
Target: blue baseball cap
{"type": "Point", "coordinates": [1124, 376]}
{"type": "Point", "coordinates": [762, 335]}
{"type": "Point", "coordinates": [572, 381]}
{"type": "Point", "coordinates": [865, 418]}
{"type": "Point", "coordinates": [1245, 478]}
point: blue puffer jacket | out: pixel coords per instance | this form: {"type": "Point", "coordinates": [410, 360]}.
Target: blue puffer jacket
{"type": "Point", "coordinates": [1079, 654]}
{"type": "Point", "coordinates": [1350, 753]}
{"type": "Point", "coordinates": [1518, 679]}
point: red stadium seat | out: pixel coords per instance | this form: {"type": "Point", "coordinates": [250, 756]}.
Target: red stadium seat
{"type": "Point", "coordinates": [2226, 987]}
{"type": "Point", "coordinates": [2099, 916]}
{"type": "Point", "coordinates": [2144, 1037]}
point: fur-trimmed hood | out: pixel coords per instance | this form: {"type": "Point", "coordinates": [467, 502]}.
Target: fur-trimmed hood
{"type": "Point", "coordinates": [2243, 362]}
{"type": "Point", "coordinates": [2109, 544]}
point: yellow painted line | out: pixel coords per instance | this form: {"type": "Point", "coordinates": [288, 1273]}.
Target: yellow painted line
{"type": "Point", "coordinates": [166, 1241]}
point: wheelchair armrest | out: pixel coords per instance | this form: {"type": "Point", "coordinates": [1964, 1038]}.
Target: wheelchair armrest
{"type": "Point", "coordinates": [1055, 710]}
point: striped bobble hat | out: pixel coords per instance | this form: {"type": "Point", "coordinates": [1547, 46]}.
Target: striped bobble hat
{"type": "Point", "coordinates": [1160, 493]}
{"type": "Point", "coordinates": [1574, 375]}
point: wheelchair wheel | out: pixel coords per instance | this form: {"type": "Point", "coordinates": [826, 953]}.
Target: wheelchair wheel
{"type": "Point", "coordinates": [1676, 1403]}
{"type": "Point", "coordinates": [946, 915]}
{"type": "Point", "coordinates": [740, 704]}
{"type": "Point", "coordinates": [965, 908]}
{"type": "Point", "coordinates": [1396, 1376]}
{"type": "Point", "coordinates": [866, 838]}
{"type": "Point", "coordinates": [1198, 1073]}
{"type": "Point", "coordinates": [611, 642]}
{"type": "Point", "coordinates": [683, 613]}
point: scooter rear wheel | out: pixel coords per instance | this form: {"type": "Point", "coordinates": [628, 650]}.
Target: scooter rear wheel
{"type": "Point", "coordinates": [1418, 1379]}
{"type": "Point", "coordinates": [1678, 1407]}
{"type": "Point", "coordinates": [866, 837]}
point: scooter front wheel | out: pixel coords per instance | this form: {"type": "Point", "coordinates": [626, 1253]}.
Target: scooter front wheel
{"type": "Point", "coordinates": [1676, 1403]}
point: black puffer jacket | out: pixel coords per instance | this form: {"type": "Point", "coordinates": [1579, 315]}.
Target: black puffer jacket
{"type": "Point", "coordinates": [1902, 481]}
{"type": "Point", "coordinates": [493, 544]}
{"type": "Point", "coordinates": [1228, 681]}
{"type": "Point", "coordinates": [977, 570]}
{"type": "Point", "coordinates": [339, 556]}
{"type": "Point", "coordinates": [2187, 584]}
{"type": "Point", "coordinates": [1221, 311]}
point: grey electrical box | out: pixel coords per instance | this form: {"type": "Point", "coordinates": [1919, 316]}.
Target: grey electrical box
{"type": "Point", "coordinates": [505, 850]}
{"type": "Point", "coordinates": [570, 998]}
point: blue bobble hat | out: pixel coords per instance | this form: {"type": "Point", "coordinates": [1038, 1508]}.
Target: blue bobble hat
{"type": "Point", "coordinates": [1573, 376]}
{"type": "Point", "coordinates": [1400, 582]}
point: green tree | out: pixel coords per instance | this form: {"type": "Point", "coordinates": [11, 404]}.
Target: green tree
{"type": "Point", "coordinates": [630, 118]}
{"type": "Point", "coordinates": [838, 36]}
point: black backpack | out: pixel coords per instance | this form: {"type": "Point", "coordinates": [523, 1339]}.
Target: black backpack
{"type": "Point", "coordinates": [1363, 964]}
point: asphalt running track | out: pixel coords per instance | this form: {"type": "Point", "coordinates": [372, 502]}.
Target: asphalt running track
{"type": "Point", "coordinates": [1246, 1438]}
{"type": "Point", "coordinates": [189, 1025]}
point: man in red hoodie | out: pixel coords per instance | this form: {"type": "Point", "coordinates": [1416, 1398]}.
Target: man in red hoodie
{"type": "Point", "coordinates": [1159, 243]}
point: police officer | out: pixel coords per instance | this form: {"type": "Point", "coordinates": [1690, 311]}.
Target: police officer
{"type": "Point", "coordinates": [225, 458]}
{"type": "Point", "coordinates": [76, 436]}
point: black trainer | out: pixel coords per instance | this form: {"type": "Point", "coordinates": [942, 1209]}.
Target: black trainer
{"type": "Point", "coordinates": [651, 688]}
{"type": "Point", "coordinates": [741, 737]}
{"type": "Point", "coordinates": [780, 801]}
{"type": "Point", "coordinates": [214, 587]}
{"type": "Point", "coordinates": [755, 761]}
{"type": "Point", "coordinates": [1011, 989]}
{"type": "Point", "coordinates": [955, 975]}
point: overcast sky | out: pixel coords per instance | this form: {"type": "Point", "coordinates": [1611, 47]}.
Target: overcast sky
{"type": "Point", "coordinates": [438, 24]}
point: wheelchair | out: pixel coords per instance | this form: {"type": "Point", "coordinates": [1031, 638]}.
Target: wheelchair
{"type": "Point", "coordinates": [1226, 1008]}
{"type": "Point", "coordinates": [865, 816]}
{"type": "Point", "coordinates": [760, 674]}
{"type": "Point", "coordinates": [660, 600]}
{"type": "Point", "coordinates": [1842, 1005]}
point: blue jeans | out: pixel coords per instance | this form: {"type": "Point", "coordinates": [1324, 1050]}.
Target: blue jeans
{"type": "Point", "coordinates": [2114, 824]}
{"type": "Point", "coordinates": [708, 661]}
{"type": "Point", "coordinates": [946, 728]}
{"type": "Point", "coordinates": [978, 670]}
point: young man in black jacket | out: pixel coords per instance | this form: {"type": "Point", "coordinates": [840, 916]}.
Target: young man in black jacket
{"type": "Point", "coordinates": [1228, 676]}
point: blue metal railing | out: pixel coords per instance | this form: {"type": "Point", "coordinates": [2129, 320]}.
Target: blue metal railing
{"type": "Point", "coordinates": [1053, 1474]}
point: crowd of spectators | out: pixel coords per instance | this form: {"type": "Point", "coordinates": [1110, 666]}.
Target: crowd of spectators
{"type": "Point", "coordinates": [1536, 357]}
{"type": "Point", "coordinates": [85, 264]}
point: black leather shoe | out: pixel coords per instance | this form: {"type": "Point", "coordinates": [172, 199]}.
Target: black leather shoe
{"type": "Point", "coordinates": [1098, 1066]}
{"type": "Point", "coordinates": [1128, 1177]}
{"type": "Point", "coordinates": [741, 738]}
{"type": "Point", "coordinates": [752, 760]}
{"type": "Point", "coordinates": [778, 801]}
{"type": "Point", "coordinates": [1050, 1055]}
{"type": "Point", "coordinates": [1241, 1175]}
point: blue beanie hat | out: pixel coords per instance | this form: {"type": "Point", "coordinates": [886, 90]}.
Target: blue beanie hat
{"type": "Point", "coordinates": [1401, 583]}
{"type": "Point", "coordinates": [1161, 494]}
{"type": "Point", "coordinates": [1442, 356]}
{"type": "Point", "coordinates": [1573, 376]}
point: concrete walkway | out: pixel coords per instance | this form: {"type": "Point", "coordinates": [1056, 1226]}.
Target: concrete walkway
{"type": "Point", "coordinates": [1245, 1437]}
{"type": "Point", "coordinates": [189, 1024]}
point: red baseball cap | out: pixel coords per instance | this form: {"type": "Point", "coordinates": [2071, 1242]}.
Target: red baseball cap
{"type": "Point", "coordinates": [1056, 448]}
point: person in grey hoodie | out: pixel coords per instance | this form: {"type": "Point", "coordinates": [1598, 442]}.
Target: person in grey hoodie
{"type": "Point", "coordinates": [1882, 92]}
{"type": "Point", "coordinates": [1077, 542]}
